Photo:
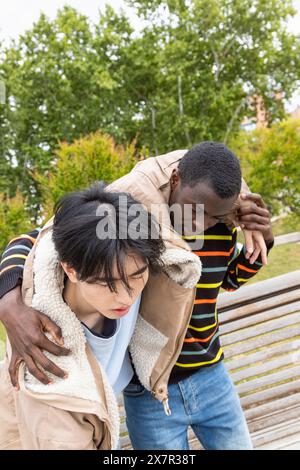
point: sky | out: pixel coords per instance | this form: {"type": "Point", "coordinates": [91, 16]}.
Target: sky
{"type": "Point", "coordinates": [18, 15]}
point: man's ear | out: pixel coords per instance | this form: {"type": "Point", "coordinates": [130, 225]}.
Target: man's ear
{"type": "Point", "coordinates": [175, 179]}
{"type": "Point", "coordinates": [70, 272]}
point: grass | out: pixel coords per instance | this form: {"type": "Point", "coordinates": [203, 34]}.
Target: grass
{"type": "Point", "coordinates": [282, 259]}
{"type": "Point", "coordinates": [288, 224]}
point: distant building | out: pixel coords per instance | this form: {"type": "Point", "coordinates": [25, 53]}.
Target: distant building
{"type": "Point", "coordinates": [256, 103]}
{"type": "Point", "coordinates": [260, 119]}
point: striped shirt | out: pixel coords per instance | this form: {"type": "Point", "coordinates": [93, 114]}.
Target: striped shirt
{"type": "Point", "coordinates": [13, 260]}
{"type": "Point", "coordinates": [224, 265]}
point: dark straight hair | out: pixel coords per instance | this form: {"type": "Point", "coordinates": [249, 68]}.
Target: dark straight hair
{"type": "Point", "coordinates": [93, 258]}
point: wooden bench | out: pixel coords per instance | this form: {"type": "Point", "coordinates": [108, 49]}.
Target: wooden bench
{"type": "Point", "coordinates": [293, 237]}
{"type": "Point", "coordinates": [260, 335]}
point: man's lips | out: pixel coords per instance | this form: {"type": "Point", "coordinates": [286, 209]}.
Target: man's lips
{"type": "Point", "coordinates": [121, 311]}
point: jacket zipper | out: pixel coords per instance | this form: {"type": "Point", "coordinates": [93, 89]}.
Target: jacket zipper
{"type": "Point", "coordinates": [165, 401]}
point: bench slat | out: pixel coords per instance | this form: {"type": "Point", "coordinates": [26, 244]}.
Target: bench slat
{"type": "Point", "coordinates": [292, 333]}
{"type": "Point", "coordinates": [273, 434]}
{"type": "Point", "coordinates": [263, 289]}
{"type": "Point", "coordinates": [260, 317]}
{"type": "Point", "coordinates": [258, 306]}
{"type": "Point", "coordinates": [267, 366]}
{"type": "Point", "coordinates": [293, 237]}
{"type": "Point", "coordinates": [271, 393]}
{"type": "Point", "coordinates": [283, 444]}
{"type": "Point", "coordinates": [292, 373]}
{"type": "Point", "coordinates": [274, 406]}
{"type": "Point", "coordinates": [262, 355]}
{"type": "Point", "coordinates": [274, 419]}
{"type": "Point", "coordinates": [290, 443]}
{"type": "Point", "coordinates": [262, 328]}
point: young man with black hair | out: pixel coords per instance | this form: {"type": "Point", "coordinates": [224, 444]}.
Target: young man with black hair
{"type": "Point", "coordinates": [86, 273]}
{"type": "Point", "coordinates": [189, 356]}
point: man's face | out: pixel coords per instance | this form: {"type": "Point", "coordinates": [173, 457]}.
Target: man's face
{"type": "Point", "coordinates": [97, 296]}
{"type": "Point", "coordinates": [215, 209]}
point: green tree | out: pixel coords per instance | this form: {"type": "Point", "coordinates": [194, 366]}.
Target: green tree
{"type": "Point", "coordinates": [270, 158]}
{"type": "Point", "coordinates": [213, 56]}
{"type": "Point", "coordinates": [14, 218]}
{"type": "Point", "coordinates": [76, 166]}
{"type": "Point", "coordinates": [62, 83]}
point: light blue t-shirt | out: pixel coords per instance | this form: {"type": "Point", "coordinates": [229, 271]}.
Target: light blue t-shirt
{"type": "Point", "coordinates": [112, 351]}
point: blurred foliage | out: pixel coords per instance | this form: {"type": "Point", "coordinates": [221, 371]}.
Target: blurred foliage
{"type": "Point", "coordinates": [14, 218]}
{"type": "Point", "coordinates": [270, 158]}
{"type": "Point", "coordinates": [76, 166]}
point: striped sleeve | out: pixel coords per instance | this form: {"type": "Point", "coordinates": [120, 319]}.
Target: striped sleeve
{"type": "Point", "coordinates": [239, 269]}
{"type": "Point", "coordinates": [13, 260]}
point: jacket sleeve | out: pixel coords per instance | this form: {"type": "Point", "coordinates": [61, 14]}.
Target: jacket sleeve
{"type": "Point", "coordinates": [13, 260]}
{"type": "Point", "coordinates": [239, 269]}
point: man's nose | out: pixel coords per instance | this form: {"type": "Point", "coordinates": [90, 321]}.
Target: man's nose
{"type": "Point", "coordinates": [124, 296]}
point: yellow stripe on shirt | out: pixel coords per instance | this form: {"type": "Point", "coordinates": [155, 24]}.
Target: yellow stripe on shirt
{"type": "Point", "coordinates": [207, 237]}
{"type": "Point", "coordinates": [13, 256]}
{"type": "Point", "coordinates": [205, 328]}
{"type": "Point", "coordinates": [7, 268]}
{"type": "Point", "coordinates": [209, 286]}
{"type": "Point", "coordinates": [196, 364]}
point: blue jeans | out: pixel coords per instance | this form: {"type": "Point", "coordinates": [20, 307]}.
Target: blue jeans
{"type": "Point", "coordinates": [207, 401]}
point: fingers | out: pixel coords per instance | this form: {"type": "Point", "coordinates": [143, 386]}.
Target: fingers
{"type": "Point", "coordinates": [249, 245]}
{"type": "Point", "coordinates": [252, 208]}
{"type": "Point", "coordinates": [47, 345]}
{"type": "Point", "coordinates": [253, 215]}
{"type": "Point", "coordinates": [264, 255]}
{"type": "Point", "coordinates": [49, 366]}
{"type": "Point", "coordinates": [255, 246]}
{"type": "Point", "coordinates": [14, 370]}
{"type": "Point", "coordinates": [34, 359]}
{"type": "Point", "coordinates": [35, 371]}
{"type": "Point", "coordinates": [261, 244]}
{"type": "Point", "coordinates": [254, 218]}
{"type": "Point", "coordinates": [254, 255]}
{"type": "Point", "coordinates": [256, 227]}
{"type": "Point", "coordinates": [260, 248]}
{"type": "Point", "coordinates": [259, 251]}
{"type": "Point", "coordinates": [54, 330]}
{"type": "Point", "coordinates": [51, 327]}
{"type": "Point", "coordinates": [253, 197]}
